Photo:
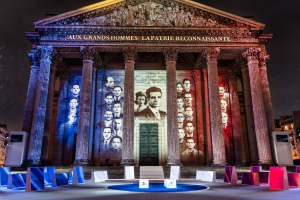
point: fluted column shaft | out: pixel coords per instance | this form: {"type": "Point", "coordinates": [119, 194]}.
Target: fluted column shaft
{"type": "Point", "coordinates": [59, 126]}
{"type": "Point", "coordinates": [48, 117]}
{"type": "Point", "coordinates": [129, 55]}
{"type": "Point", "coordinates": [217, 134]}
{"type": "Point", "coordinates": [267, 98]}
{"type": "Point", "coordinates": [92, 127]}
{"type": "Point", "coordinates": [237, 130]}
{"type": "Point", "coordinates": [172, 119]}
{"type": "Point", "coordinates": [31, 92]}
{"type": "Point", "coordinates": [38, 120]}
{"type": "Point", "coordinates": [208, 133]}
{"type": "Point", "coordinates": [83, 132]}
{"type": "Point", "coordinates": [261, 128]}
{"type": "Point", "coordinates": [249, 116]}
{"type": "Point", "coordinates": [197, 78]}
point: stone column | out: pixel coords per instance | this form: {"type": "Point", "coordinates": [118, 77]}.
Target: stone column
{"type": "Point", "coordinates": [129, 55]}
{"type": "Point", "coordinates": [267, 98]}
{"type": "Point", "coordinates": [83, 132]}
{"type": "Point", "coordinates": [197, 79]}
{"type": "Point", "coordinates": [172, 118]}
{"type": "Point", "coordinates": [30, 98]}
{"type": "Point", "coordinates": [260, 121]}
{"type": "Point", "coordinates": [207, 121]}
{"type": "Point", "coordinates": [237, 130]}
{"type": "Point", "coordinates": [249, 115]}
{"type": "Point", "coordinates": [60, 118]}
{"type": "Point", "coordinates": [218, 145]}
{"type": "Point", "coordinates": [49, 108]}
{"type": "Point", "coordinates": [38, 120]}
{"type": "Point", "coordinates": [92, 127]}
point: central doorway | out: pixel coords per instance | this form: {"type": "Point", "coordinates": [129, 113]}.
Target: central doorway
{"type": "Point", "coordinates": [149, 145]}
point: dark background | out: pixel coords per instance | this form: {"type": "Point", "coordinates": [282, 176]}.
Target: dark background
{"type": "Point", "coordinates": [282, 18]}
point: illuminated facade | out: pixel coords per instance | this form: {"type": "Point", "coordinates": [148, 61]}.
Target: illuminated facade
{"type": "Point", "coordinates": [3, 143]}
{"type": "Point", "coordinates": [291, 124]}
{"type": "Point", "coordinates": [148, 83]}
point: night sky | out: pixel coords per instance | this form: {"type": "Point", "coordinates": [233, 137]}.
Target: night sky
{"type": "Point", "coordinates": [281, 19]}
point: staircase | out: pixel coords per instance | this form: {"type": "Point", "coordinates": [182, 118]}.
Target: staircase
{"type": "Point", "coordinates": [151, 172]}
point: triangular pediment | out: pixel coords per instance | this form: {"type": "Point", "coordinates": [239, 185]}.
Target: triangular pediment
{"type": "Point", "coordinates": [143, 13]}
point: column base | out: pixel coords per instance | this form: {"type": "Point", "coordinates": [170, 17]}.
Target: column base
{"type": "Point", "coordinates": [173, 162]}
{"type": "Point", "coordinates": [45, 162]}
{"type": "Point", "coordinates": [265, 163]}
{"type": "Point", "coordinates": [32, 163]}
{"type": "Point", "coordinates": [127, 162]}
{"type": "Point", "coordinates": [80, 162]}
{"type": "Point", "coordinates": [219, 164]}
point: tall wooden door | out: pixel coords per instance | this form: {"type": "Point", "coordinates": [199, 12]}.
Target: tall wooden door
{"type": "Point", "coordinates": [149, 145]}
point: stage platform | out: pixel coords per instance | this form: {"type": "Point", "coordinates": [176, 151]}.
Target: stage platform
{"type": "Point", "coordinates": [116, 172]}
{"type": "Point", "coordinates": [218, 190]}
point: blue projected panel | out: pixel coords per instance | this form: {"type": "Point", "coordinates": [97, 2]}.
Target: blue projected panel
{"type": "Point", "coordinates": [48, 171]}
{"type": "Point", "coordinates": [70, 177]}
{"type": "Point", "coordinates": [16, 181]}
{"type": "Point", "coordinates": [35, 179]}
{"type": "Point", "coordinates": [60, 179]}
{"type": "Point", "coordinates": [78, 176]}
{"type": "Point", "coordinates": [4, 172]}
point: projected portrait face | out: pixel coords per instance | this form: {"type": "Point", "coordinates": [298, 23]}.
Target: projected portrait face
{"type": "Point", "coordinates": [116, 143]}
{"type": "Point", "coordinates": [155, 99]}
{"type": "Point", "coordinates": [141, 100]}
{"type": "Point", "coordinates": [189, 111]}
{"type": "Point", "coordinates": [181, 133]}
{"type": "Point", "coordinates": [223, 106]}
{"type": "Point", "coordinates": [224, 118]}
{"type": "Point", "coordinates": [72, 117]}
{"type": "Point", "coordinates": [107, 133]}
{"type": "Point", "coordinates": [117, 91]}
{"type": "Point", "coordinates": [188, 98]}
{"type": "Point", "coordinates": [75, 90]}
{"type": "Point", "coordinates": [109, 99]}
{"type": "Point", "coordinates": [117, 124]}
{"type": "Point", "coordinates": [187, 85]}
{"type": "Point", "coordinates": [189, 127]}
{"type": "Point", "coordinates": [117, 108]}
{"type": "Point", "coordinates": [179, 88]}
{"type": "Point", "coordinates": [108, 115]}
{"type": "Point", "coordinates": [190, 143]}
{"type": "Point", "coordinates": [180, 117]}
{"type": "Point", "coordinates": [110, 82]}
{"type": "Point", "coordinates": [73, 104]}
{"type": "Point", "coordinates": [180, 103]}
{"type": "Point", "coordinates": [221, 91]}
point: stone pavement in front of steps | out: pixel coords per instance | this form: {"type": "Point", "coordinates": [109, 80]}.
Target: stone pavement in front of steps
{"type": "Point", "coordinates": [116, 172]}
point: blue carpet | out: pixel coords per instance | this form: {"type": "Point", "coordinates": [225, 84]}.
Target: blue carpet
{"type": "Point", "coordinates": [157, 187]}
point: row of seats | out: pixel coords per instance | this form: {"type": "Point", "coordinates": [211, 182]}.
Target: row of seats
{"type": "Point", "coordinates": [278, 178]}
{"type": "Point", "coordinates": [37, 178]}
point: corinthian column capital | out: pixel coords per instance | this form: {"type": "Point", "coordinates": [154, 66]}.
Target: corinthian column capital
{"type": "Point", "coordinates": [263, 60]}
{"type": "Point", "coordinates": [170, 54]}
{"type": "Point", "coordinates": [34, 59]}
{"type": "Point", "coordinates": [129, 54]}
{"type": "Point", "coordinates": [252, 54]}
{"type": "Point", "coordinates": [212, 54]}
{"type": "Point", "coordinates": [88, 53]}
{"type": "Point", "coordinates": [46, 52]}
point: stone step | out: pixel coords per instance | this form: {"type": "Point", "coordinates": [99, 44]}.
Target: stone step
{"type": "Point", "coordinates": [151, 172]}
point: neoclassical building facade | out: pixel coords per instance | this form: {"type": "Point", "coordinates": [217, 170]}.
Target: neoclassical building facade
{"type": "Point", "coordinates": [149, 83]}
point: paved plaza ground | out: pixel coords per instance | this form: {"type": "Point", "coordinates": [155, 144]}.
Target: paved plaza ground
{"type": "Point", "coordinates": [218, 190]}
